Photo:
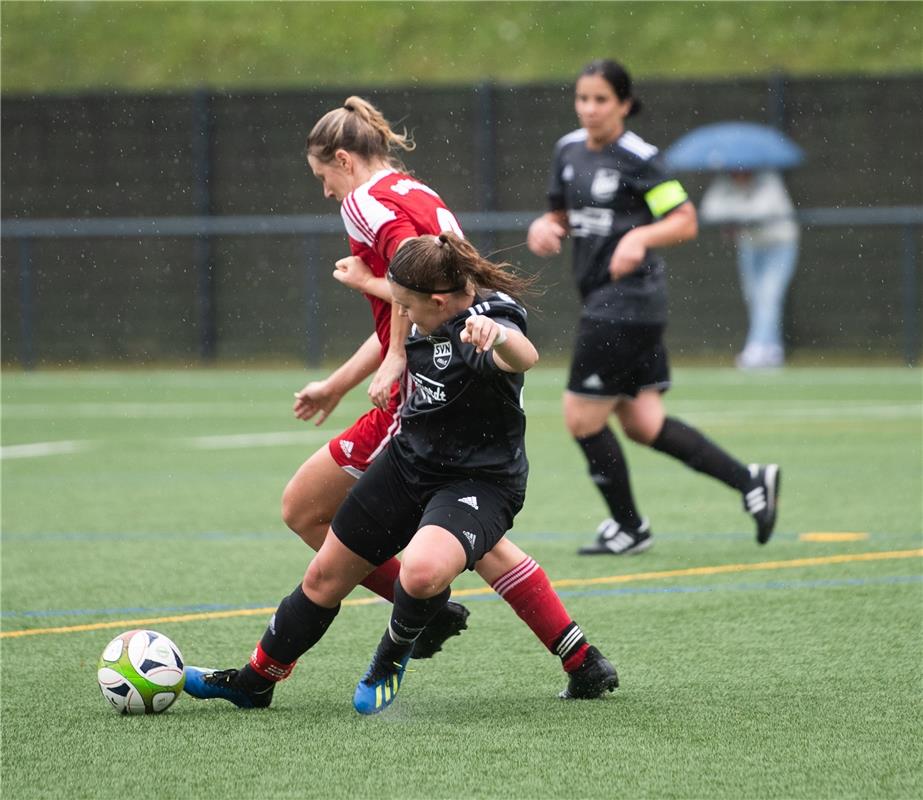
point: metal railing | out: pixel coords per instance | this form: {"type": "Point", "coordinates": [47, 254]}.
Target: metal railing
{"type": "Point", "coordinates": [909, 219]}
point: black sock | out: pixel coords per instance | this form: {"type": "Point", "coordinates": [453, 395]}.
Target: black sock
{"type": "Point", "coordinates": [409, 616]}
{"type": "Point", "coordinates": [701, 454]}
{"type": "Point", "coordinates": [569, 642]}
{"type": "Point", "coordinates": [609, 472]}
{"type": "Point", "coordinates": [295, 628]}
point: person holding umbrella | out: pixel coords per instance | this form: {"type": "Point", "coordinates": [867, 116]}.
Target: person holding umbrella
{"type": "Point", "coordinates": [761, 217]}
{"type": "Point", "coordinates": [610, 192]}
{"type": "Point", "coordinates": [749, 196]}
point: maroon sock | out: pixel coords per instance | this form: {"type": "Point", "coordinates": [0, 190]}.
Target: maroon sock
{"type": "Point", "coordinates": [381, 581]}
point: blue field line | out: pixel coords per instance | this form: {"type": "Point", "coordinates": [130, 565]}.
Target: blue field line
{"type": "Point", "coordinates": [92, 612]}
{"type": "Point", "coordinates": [12, 537]}
{"type": "Point", "coordinates": [614, 592]}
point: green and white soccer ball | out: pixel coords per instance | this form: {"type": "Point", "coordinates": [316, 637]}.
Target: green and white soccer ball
{"type": "Point", "coordinates": [141, 672]}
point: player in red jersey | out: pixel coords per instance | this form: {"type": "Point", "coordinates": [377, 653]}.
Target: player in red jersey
{"type": "Point", "coordinates": [350, 151]}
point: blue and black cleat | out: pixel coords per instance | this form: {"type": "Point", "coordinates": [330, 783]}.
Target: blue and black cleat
{"type": "Point", "coordinates": [209, 684]}
{"type": "Point", "coordinates": [378, 688]}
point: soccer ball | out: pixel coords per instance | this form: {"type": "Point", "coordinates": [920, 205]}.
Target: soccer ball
{"type": "Point", "coordinates": [141, 672]}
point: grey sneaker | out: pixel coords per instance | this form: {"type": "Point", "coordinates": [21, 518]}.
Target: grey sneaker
{"type": "Point", "coordinates": [613, 538]}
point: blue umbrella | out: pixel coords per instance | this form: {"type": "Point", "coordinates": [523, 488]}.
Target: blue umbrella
{"type": "Point", "coordinates": [730, 146]}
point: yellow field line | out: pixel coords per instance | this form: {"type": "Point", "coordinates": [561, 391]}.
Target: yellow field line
{"type": "Point", "coordinates": [629, 578]}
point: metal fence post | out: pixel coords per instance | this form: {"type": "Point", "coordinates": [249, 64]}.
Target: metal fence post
{"type": "Point", "coordinates": [205, 274]}
{"type": "Point", "coordinates": [778, 112]}
{"type": "Point", "coordinates": [910, 289]}
{"type": "Point", "coordinates": [314, 348]}
{"type": "Point", "coordinates": [487, 159]}
{"type": "Point", "coordinates": [27, 305]}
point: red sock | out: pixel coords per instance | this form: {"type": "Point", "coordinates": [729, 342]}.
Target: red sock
{"type": "Point", "coordinates": [381, 581]}
{"type": "Point", "coordinates": [527, 589]}
{"type": "Point", "coordinates": [267, 667]}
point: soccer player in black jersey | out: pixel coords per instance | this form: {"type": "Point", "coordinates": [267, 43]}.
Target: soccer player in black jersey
{"type": "Point", "coordinates": [609, 191]}
{"type": "Point", "coordinates": [445, 491]}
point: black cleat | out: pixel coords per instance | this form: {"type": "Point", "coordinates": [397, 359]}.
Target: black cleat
{"type": "Point", "coordinates": [450, 621]}
{"type": "Point", "coordinates": [592, 679]}
{"type": "Point", "coordinates": [207, 684]}
{"type": "Point", "coordinates": [761, 500]}
{"type": "Point", "coordinates": [614, 539]}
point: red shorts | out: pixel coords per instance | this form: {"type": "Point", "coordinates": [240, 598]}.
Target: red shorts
{"type": "Point", "coordinates": [356, 447]}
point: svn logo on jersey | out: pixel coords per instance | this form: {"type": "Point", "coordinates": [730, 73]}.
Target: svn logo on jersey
{"type": "Point", "coordinates": [605, 184]}
{"type": "Point", "coordinates": [442, 352]}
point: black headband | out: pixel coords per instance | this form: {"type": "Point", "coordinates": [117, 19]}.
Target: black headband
{"type": "Point", "coordinates": [422, 290]}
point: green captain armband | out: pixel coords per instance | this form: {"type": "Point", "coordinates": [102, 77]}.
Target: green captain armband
{"type": "Point", "coordinates": [665, 197]}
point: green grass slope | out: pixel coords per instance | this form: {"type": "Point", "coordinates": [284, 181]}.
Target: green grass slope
{"type": "Point", "coordinates": [65, 46]}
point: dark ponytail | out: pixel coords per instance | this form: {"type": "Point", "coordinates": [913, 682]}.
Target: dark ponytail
{"type": "Point", "coordinates": [448, 263]}
{"type": "Point", "coordinates": [617, 77]}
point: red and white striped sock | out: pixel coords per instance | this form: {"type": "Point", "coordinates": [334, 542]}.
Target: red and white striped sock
{"type": "Point", "coordinates": [527, 589]}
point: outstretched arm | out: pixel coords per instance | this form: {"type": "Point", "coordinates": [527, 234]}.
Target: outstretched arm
{"type": "Point", "coordinates": [319, 398]}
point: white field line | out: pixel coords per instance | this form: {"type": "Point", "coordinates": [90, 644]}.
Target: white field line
{"type": "Point", "coordinates": [229, 442]}
{"type": "Point", "coordinates": [205, 408]}
{"type": "Point", "coordinates": [209, 409]}
{"type": "Point", "coordinates": [240, 440]}
{"type": "Point", "coordinates": [814, 415]}
{"type": "Point", "coordinates": [288, 381]}
{"type": "Point", "coordinates": [37, 449]}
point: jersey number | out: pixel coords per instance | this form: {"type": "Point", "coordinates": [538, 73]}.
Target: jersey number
{"type": "Point", "coordinates": [447, 222]}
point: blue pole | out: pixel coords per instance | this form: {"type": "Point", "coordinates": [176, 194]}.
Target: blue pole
{"type": "Point", "coordinates": [205, 274]}
{"type": "Point", "coordinates": [910, 291]}
{"type": "Point", "coordinates": [314, 347]}
{"type": "Point", "coordinates": [777, 110]}
{"type": "Point", "coordinates": [487, 160]}
{"type": "Point", "coordinates": [27, 305]}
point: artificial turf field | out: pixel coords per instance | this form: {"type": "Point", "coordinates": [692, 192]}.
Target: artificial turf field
{"type": "Point", "coordinates": [150, 499]}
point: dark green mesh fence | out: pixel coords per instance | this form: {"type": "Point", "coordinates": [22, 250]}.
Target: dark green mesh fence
{"type": "Point", "coordinates": [483, 148]}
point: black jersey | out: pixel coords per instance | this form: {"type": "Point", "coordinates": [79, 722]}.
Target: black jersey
{"type": "Point", "coordinates": [464, 417]}
{"type": "Point", "coordinates": [606, 193]}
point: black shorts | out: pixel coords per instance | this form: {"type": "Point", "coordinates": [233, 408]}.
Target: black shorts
{"type": "Point", "coordinates": [382, 512]}
{"type": "Point", "coordinates": [615, 358]}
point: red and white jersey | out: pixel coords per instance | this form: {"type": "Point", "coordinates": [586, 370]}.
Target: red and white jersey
{"type": "Point", "coordinates": [388, 208]}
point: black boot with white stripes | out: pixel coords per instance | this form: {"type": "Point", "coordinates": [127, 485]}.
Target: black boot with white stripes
{"type": "Point", "coordinates": [761, 499]}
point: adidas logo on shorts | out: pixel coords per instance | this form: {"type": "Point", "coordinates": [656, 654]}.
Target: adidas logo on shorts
{"type": "Point", "coordinates": [470, 501]}
{"type": "Point", "coordinates": [470, 537]}
{"type": "Point", "coordinates": [593, 382]}
{"type": "Point", "coordinates": [347, 448]}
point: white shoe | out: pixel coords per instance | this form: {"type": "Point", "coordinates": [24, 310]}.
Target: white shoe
{"type": "Point", "coordinates": [760, 357]}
